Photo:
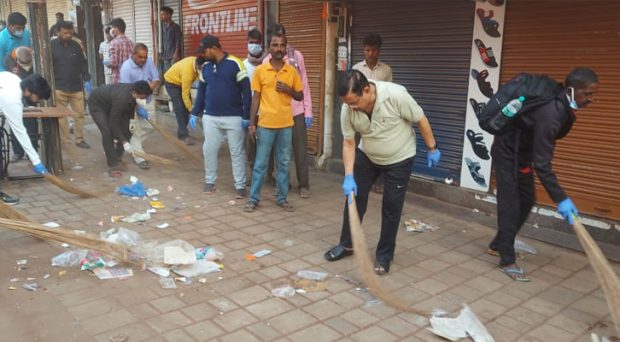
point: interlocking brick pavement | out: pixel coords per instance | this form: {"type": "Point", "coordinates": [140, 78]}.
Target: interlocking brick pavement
{"type": "Point", "coordinates": [434, 270]}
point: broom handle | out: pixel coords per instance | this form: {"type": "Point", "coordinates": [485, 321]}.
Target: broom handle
{"type": "Point", "coordinates": [603, 270]}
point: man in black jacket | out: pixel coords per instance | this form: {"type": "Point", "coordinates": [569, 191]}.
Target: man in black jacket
{"type": "Point", "coordinates": [529, 147]}
{"type": "Point", "coordinates": [111, 107]}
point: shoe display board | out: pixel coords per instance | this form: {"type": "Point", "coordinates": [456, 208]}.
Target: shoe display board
{"type": "Point", "coordinates": [483, 82]}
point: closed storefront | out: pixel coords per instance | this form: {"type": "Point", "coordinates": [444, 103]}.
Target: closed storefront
{"type": "Point", "coordinates": [428, 46]}
{"type": "Point", "coordinates": [137, 15]}
{"type": "Point", "coordinates": [176, 8]}
{"type": "Point", "coordinates": [228, 20]}
{"type": "Point", "coordinates": [57, 6]}
{"type": "Point", "coordinates": [547, 38]}
{"type": "Point", "coordinates": [305, 32]}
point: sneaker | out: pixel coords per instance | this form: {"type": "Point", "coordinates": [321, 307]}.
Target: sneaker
{"type": "Point", "coordinates": [82, 144]}
{"type": "Point", "coordinates": [16, 157]}
{"type": "Point", "coordinates": [239, 193]}
{"type": "Point", "coordinates": [209, 189]}
{"type": "Point", "coordinates": [8, 200]}
{"type": "Point", "coordinates": [188, 141]}
{"type": "Point", "coordinates": [286, 206]}
{"type": "Point", "coordinates": [477, 144]}
{"type": "Point", "coordinates": [250, 207]}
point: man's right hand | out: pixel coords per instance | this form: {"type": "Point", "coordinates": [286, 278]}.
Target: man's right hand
{"type": "Point", "coordinates": [193, 120]}
{"type": "Point", "coordinates": [348, 186]}
{"type": "Point", "coordinates": [127, 147]}
{"type": "Point", "coordinates": [567, 209]}
{"type": "Point", "coordinates": [252, 132]}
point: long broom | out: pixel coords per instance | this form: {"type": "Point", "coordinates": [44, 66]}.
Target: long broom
{"type": "Point", "coordinates": [365, 265]}
{"type": "Point", "coordinates": [154, 159]}
{"type": "Point", "coordinates": [11, 213]}
{"type": "Point", "coordinates": [84, 240]}
{"type": "Point", "coordinates": [179, 145]}
{"type": "Point", "coordinates": [605, 274]}
{"type": "Point", "coordinates": [68, 187]}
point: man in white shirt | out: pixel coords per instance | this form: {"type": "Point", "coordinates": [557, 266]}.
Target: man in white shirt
{"type": "Point", "coordinates": [254, 59]}
{"type": "Point", "coordinates": [12, 91]}
{"type": "Point", "coordinates": [104, 53]}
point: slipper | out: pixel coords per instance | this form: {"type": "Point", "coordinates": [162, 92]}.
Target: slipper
{"type": "Point", "coordinates": [486, 54]}
{"type": "Point", "coordinates": [477, 144]}
{"type": "Point", "coordinates": [144, 165]}
{"type": "Point", "coordinates": [492, 252]}
{"type": "Point", "coordinates": [489, 25]}
{"type": "Point", "coordinates": [382, 268]}
{"type": "Point", "coordinates": [337, 253]}
{"type": "Point", "coordinates": [483, 84]}
{"type": "Point", "coordinates": [474, 171]}
{"type": "Point", "coordinates": [477, 106]}
{"type": "Point", "coordinates": [516, 274]}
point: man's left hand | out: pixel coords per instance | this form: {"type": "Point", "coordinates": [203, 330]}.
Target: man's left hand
{"type": "Point", "coordinates": [433, 157]}
{"type": "Point", "coordinates": [88, 87]}
{"type": "Point", "coordinates": [283, 88]}
{"type": "Point", "coordinates": [142, 113]}
{"type": "Point", "coordinates": [308, 121]}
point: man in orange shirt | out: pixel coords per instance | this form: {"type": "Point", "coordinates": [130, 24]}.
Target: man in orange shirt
{"type": "Point", "coordinates": [274, 85]}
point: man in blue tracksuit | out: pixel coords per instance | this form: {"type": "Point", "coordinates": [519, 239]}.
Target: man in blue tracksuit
{"type": "Point", "coordinates": [224, 95]}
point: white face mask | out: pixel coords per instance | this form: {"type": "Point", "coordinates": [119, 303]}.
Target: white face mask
{"type": "Point", "coordinates": [141, 103]}
{"type": "Point", "coordinates": [571, 99]}
{"type": "Point", "coordinates": [255, 49]}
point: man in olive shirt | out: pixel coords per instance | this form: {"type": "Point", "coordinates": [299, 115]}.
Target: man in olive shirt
{"type": "Point", "coordinates": [382, 112]}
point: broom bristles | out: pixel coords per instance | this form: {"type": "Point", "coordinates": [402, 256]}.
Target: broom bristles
{"type": "Point", "coordinates": [179, 145]}
{"type": "Point", "coordinates": [153, 158]}
{"type": "Point", "coordinates": [68, 187]}
{"type": "Point", "coordinates": [12, 213]}
{"type": "Point", "coordinates": [610, 284]}
{"type": "Point", "coordinates": [86, 240]}
{"type": "Point", "coordinates": [365, 265]}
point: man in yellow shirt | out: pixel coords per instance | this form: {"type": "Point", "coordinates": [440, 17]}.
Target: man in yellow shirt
{"type": "Point", "coordinates": [274, 85]}
{"type": "Point", "coordinates": [178, 82]}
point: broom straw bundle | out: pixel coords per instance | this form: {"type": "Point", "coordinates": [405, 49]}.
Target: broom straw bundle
{"type": "Point", "coordinates": [68, 187]}
{"type": "Point", "coordinates": [179, 145]}
{"type": "Point", "coordinates": [83, 240]}
{"type": "Point", "coordinates": [365, 265]}
{"type": "Point", "coordinates": [605, 274]}
{"type": "Point", "coordinates": [12, 213]}
{"type": "Point", "coordinates": [154, 159]}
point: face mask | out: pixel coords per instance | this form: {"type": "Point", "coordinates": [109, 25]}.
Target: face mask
{"type": "Point", "coordinates": [18, 34]}
{"type": "Point", "coordinates": [141, 102]}
{"type": "Point", "coordinates": [113, 32]}
{"type": "Point", "coordinates": [571, 99]}
{"type": "Point", "coordinates": [255, 49]}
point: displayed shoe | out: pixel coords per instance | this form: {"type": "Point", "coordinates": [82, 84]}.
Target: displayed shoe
{"type": "Point", "coordinates": [240, 193]}
{"type": "Point", "coordinates": [477, 144]}
{"type": "Point", "coordinates": [474, 170]}
{"type": "Point", "coordinates": [488, 58]}
{"type": "Point", "coordinates": [490, 26]}
{"type": "Point", "coordinates": [209, 188]}
{"type": "Point", "coordinates": [483, 84]}
{"type": "Point", "coordinates": [8, 200]}
{"type": "Point", "coordinates": [15, 158]}
{"type": "Point", "coordinates": [82, 144]}
{"type": "Point", "coordinates": [478, 107]}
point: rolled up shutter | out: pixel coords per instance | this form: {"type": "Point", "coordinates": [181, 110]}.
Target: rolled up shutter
{"type": "Point", "coordinates": [143, 26]}
{"type": "Point", "coordinates": [124, 9]}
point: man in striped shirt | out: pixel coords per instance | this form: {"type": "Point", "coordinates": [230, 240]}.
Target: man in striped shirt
{"type": "Point", "coordinates": [120, 48]}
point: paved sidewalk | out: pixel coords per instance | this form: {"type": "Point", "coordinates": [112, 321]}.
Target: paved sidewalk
{"type": "Point", "coordinates": [433, 270]}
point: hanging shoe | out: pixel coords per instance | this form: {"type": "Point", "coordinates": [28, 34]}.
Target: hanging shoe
{"type": "Point", "coordinates": [474, 170]}
{"type": "Point", "coordinates": [483, 84]}
{"type": "Point", "coordinates": [477, 144]}
{"type": "Point", "coordinates": [488, 58]}
{"type": "Point", "coordinates": [478, 107]}
{"type": "Point", "coordinates": [489, 25]}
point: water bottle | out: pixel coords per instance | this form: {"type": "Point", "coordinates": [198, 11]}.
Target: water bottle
{"type": "Point", "coordinates": [508, 113]}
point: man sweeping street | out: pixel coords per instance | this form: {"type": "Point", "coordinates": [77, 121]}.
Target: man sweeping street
{"type": "Point", "coordinates": [382, 112]}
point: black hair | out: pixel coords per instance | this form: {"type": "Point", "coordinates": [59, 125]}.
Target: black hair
{"type": "Point", "coordinates": [200, 61]}
{"type": "Point", "coordinates": [17, 18]}
{"type": "Point", "coordinates": [118, 23]}
{"type": "Point", "coordinates": [276, 30]}
{"type": "Point", "coordinates": [107, 30]}
{"type": "Point", "coordinates": [139, 46]}
{"type": "Point", "coordinates": [142, 88]}
{"type": "Point", "coordinates": [59, 14]}
{"type": "Point", "coordinates": [256, 34]}
{"type": "Point", "coordinates": [37, 85]}
{"type": "Point", "coordinates": [581, 77]}
{"type": "Point", "coordinates": [167, 10]}
{"type": "Point", "coordinates": [352, 81]}
{"type": "Point", "coordinates": [63, 24]}
{"type": "Point", "coordinates": [373, 39]}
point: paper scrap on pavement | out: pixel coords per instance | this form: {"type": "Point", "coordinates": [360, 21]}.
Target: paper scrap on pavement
{"type": "Point", "coordinates": [160, 271]}
{"type": "Point", "coordinates": [199, 268]}
{"type": "Point", "coordinates": [262, 253]}
{"type": "Point", "coordinates": [167, 283]}
{"type": "Point", "coordinates": [464, 325]}
{"type": "Point", "coordinates": [163, 225]}
{"type": "Point", "coordinates": [51, 225]}
{"type": "Point", "coordinates": [175, 255]}
{"type": "Point", "coordinates": [137, 217]}
{"type": "Point", "coordinates": [417, 226]}
{"type": "Point", "coordinates": [112, 273]}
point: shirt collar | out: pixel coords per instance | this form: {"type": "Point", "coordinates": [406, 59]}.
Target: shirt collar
{"type": "Point", "coordinates": [380, 92]}
{"type": "Point", "coordinates": [379, 63]}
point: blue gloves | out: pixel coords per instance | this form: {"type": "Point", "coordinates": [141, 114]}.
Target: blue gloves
{"type": "Point", "coordinates": [433, 157]}
{"type": "Point", "coordinates": [88, 87]}
{"type": "Point", "coordinates": [309, 120]}
{"type": "Point", "coordinates": [40, 169]}
{"type": "Point", "coordinates": [567, 209]}
{"type": "Point", "coordinates": [349, 185]}
{"type": "Point", "coordinates": [142, 113]}
{"type": "Point", "coordinates": [245, 124]}
{"type": "Point", "coordinates": [193, 120]}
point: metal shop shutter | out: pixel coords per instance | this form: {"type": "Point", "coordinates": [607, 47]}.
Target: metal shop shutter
{"type": "Point", "coordinates": [428, 46]}
{"type": "Point", "coordinates": [124, 9]}
{"type": "Point", "coordinates": [542, 37]}
{"type": "Point", "coordinates": [55, 6]}
{"type": "Point", "coordinates": [305, 31]}
{"type": "Point", "coordinates": [176, 7]}
{"type": "Point", "coordinates": [143, 27]}
{"type": "Point", "coordinates": [229, 20]}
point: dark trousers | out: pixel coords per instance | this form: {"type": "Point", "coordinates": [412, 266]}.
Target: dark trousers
{"type": "Point", "coordinates": [515, 199]}
{"type": "Point", "coordinates": [300, 149]}
{"type": "Point", "coordinates": [180, 112]}
{"type": "Point", "coordinates": [113, 151]}
{"type": "Point", "coordinates": [396, 178]}
{"type": "Point", "coordinates": [32, 127]}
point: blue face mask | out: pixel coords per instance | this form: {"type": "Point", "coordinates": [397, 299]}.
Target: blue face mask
{"type": "Point", "coordinates": [255, 49]}
{"type": "Point", "coordinates": [571, 99]}
{"type": "Point", "coordinates": [18, 34]}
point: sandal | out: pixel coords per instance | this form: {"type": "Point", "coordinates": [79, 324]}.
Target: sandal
{"type": "Point", "coordinates": [250, 207]}
{"type": "Point", "coordinates": [382, 268]}
{"type": "Point", "coordinates": [144, 165]}
{"type": "Point", "coordinates": [337, 253]}
{"type": "Point", "coordinates": [286, 206]}
{"type": "Point", "coordinates": [515, 273]}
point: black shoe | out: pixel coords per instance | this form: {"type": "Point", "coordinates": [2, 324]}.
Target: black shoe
{"type": "Point", "coordinates": [8, 200]}
{"type": "Point", "coordinates": [477, 106]}
{"type": "Point", "coordinates": [483, 84]}
{"type": "Point", "coordinates": [477, 144]}
{"type": "Point", "coordinates": [16, 157]}
{"type": "Point", "coordinates": [490, 26]}
{"type": "Point", "coordinates": [337, 253]}
{"type": "Point", "coordinates": [474, 170]}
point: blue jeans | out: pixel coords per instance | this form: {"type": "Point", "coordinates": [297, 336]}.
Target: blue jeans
{"type": "Point", "coordinates": [266, 138]}
{"type": "Point", "coordinates": [180, 112]}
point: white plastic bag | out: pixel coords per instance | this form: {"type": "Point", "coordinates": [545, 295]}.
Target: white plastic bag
{"type": "Point", "coordinates": [69, 258]}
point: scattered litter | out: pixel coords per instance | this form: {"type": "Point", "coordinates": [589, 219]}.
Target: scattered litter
{"type": "Point", "coordinates": [475, 210]}
{"type": "Point", "coordinates": [250, 257]}
{"type": "Point", "coordinates": [535, 225]}
{"type": "Point", "coordinates": [154, 253]}
{"type": "Point", "coordinates": [167, 283]}
{"type": "Point", "coordinates": [100, 223]}
{"type": "Point", "coordinates": [232, 202]}
{"type": "Point", "coordinates": [300, 291]}
{"type": "Point", "coordinates": [311, 275]}
{"type": "Point", "coordinates": [289, 243]}
{"type": "Point", "coordinates": [163, 225]}
{"type": "Point", "coordinates": [417, 226]}
{"type": "Point", "coordinates": [286, 291]}
{"type": "Point", "coordinates": [22, 262]}
{"type": "Point", "coordinates": [160, 271]}
{"type": "Point", "coordinates": [135, 189]}
{"type": "Point", "coordinates": [46, 276]}
{"type": "Point", "coordinates": [65, 245]}
{"type": "Point", "coordinates": [121, 236]}
{"type": "Point", "coordinates": [184, 280]}
{"type": "Point", "coordinates": [151, 210]}
{"type": "Point", "coordinates": [77, 167]}
{"type": "Point", "coordinates": [31, 278]}
{"type": "Point", "coordinates": [14, 280]}
{"type": "Point", "coordinates": [466, 324]}
{"type": "Point", "coordinates": [178, 198]}
{"type": "Point", "coordinates": [449, 180]}
{"type": "Point", "coordinates": [262, 253]}
{"type": "Point", "coordinates": [308, 285]}
{"type": "Point", "coordinates": [152, 192]}
{"type": "Point", "coordinates": [51, 225]}
{"type": "Point", "coordinates": [119, 337]}
{"type": "Point", "coordinates": [116, 219]}
{"type": "Point", "coordinates": [30, 286]}
{"type": "Point", "coordinates": [12, 288]}
{"type": "Point", "coordinates": [157, 204]}
{"type": "Point", "coordinates": [92, 261]}
{"type": "Point", "coordinates": [202, 280]}
{"type": "Point", "coordinates": [113, 273]}
{"type": "Point", "coordinates": [62, 273]}
{"type": "Point", "coordinates": [170, 188]}
{"type": "Point", "coordinates": [209, 253]}
{"type": "Point", "coordinates": [69, 258]}
{"type": "Point", "coordinates": [524, 247]}
{"type": "Point", "coordinates": [199, 268]}
{"type": "Point", "coordinates": [176, 255]}
{"type": "Point", "coordinates": [137, 217]}
{"type": "Point", "coordinates": [79, 231]}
